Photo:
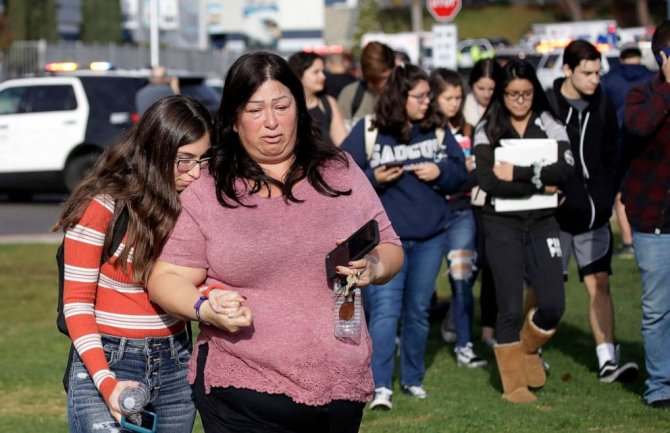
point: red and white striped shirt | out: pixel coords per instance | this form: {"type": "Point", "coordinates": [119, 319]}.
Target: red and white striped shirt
{"type": "Point", "coordinates": [100, 299]}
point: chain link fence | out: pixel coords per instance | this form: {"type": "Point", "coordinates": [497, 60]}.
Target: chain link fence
{"type": "Point", "coordinates": [29, 57]}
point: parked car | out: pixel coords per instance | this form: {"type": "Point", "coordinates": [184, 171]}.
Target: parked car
{"type": "Point", "coordinates": [53, 128]}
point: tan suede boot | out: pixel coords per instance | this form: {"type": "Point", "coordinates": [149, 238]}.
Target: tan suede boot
{"type": "Point", "coordinates": [510, 365]}
{"type": "Point", "coordinates": [532, 338]}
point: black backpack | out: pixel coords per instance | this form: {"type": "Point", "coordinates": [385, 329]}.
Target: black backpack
{"type": "Point", "coordinates": [119, 230]}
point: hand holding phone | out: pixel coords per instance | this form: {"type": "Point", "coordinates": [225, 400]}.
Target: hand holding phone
{"type": "Point", "coordinates": [355, 247]}
{"type": "Point", "coordinates": [659, 57]}
{"type": "Point", "coordinates": [142, 422]}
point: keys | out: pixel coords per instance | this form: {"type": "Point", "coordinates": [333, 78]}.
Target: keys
{"type": "Point", "coordinates": [347, 308]}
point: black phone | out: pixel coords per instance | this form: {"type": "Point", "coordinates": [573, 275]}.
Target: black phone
{"type": "Point", "coordinates": [394, 164]}
{"type": "Point", "coordinates": [354, 248]}
{"type": "Point", "coordinates": [147, 422]}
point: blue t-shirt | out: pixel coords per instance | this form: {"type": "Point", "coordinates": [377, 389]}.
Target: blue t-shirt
{"type": "Point", "coordinates": [417, 209]}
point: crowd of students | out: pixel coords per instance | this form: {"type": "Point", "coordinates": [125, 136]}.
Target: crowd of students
{"type": "Point", "coordinates": [415, 152]}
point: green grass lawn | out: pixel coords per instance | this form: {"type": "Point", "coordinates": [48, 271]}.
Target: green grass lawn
{"type": "Point", "coordinates": [33, 355]}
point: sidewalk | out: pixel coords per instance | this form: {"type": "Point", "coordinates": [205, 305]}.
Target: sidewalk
{"type": "Point", "coordinates": [46, 238]}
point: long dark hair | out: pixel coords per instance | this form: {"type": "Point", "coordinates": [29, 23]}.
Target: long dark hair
{"type": "Point", "coordinates": [497, 116]}
{"type": "Point", "coordinates": [231, 161]}
{"type": "Point", "coordinates": [391, 110]}
{"type": "Point", "coordinates": [439, 79]}
{"type": "Point", "coordinates": [302, 61]}
{"type": "Point", "coordinates": [138, 173]}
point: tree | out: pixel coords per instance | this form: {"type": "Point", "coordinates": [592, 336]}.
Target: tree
{"type": "Point", "coordinates": [32, 19]}
{"type": "Point", "coordinates": [574, 8]}
{"type": "Point", "coordinates": [642, 9]}
{"type": "Point", "coordinates": [368, 21]}
{"type": "Point", "coordinates": [101, 21]}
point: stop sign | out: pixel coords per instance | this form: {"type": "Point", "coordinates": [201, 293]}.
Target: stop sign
{"type": "Point", "coordinates": [443, 10]}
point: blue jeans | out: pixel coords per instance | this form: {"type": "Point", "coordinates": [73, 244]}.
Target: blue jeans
{"type": "Point", "coordinates": [408, 295]}
{"type": "Point", "coordinates": [460, 235]}
{"type": "Point", "coordinates": [652, 253]}
{"type": "Point", "coordinates": [160, 363]}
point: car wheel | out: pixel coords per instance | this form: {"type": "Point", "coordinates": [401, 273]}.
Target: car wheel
{"type": "Point", "coordinates": [77, 168]}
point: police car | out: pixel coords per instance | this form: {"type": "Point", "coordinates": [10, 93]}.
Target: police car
{"type": "Point", "coordinates": [53, 128]}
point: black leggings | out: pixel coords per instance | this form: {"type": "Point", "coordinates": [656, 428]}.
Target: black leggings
{"type": "Point", "coordinates": [239, 410]}
{"type": "Point", "coordinates": [515, 255]}
{"type": "Point", "coordinates": [487, 294]}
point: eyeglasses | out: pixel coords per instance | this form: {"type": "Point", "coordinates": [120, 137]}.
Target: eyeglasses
{"type": "Point", "coordinates": [421, 97]}
{"type": "Point", "coordinates": [515, 96]}
{"type": "Point", "coordinates": [184, 165]}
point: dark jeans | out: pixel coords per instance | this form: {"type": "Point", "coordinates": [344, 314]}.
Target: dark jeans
{"type": "Point", "coordinates": [238, 410]}
{"type": "Point", "coordinates": [515, 255]}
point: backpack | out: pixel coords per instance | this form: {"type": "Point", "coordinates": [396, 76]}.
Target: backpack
{"type": "Point", "coordinates": [119, 230]}
{"type": "Point", "coordinates": [371, 135]}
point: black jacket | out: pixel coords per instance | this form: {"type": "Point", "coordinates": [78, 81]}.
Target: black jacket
{"type": "Point", "coordinates": [593, 133]}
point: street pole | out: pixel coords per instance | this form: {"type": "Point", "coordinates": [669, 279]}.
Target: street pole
{"type": "Point", "coordinates": [153, 33]}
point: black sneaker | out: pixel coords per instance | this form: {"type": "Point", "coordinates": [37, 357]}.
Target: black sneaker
{"type": "Point", "coordinates": [661, 404]}
{"type": "Point", "coordinates": [612, 371]}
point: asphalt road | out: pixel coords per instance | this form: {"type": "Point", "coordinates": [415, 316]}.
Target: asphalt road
{"type": "Point", "coordinates": [30, 221]}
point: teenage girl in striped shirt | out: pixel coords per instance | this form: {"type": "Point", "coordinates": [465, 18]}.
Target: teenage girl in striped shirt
{"type": "Point", "coordinates": [120, 337]}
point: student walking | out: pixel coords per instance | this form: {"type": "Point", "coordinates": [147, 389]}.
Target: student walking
{"type": "Point", "coordinates": [525, 243]}
{"type": "Point", "coordinates": [460, 253]}
{"type": "Point", "coordinates": [120, 337]}
{"type": "Point", "coordinates": [411, 173]}
{"type": "Point", "coordinates": [584, 215]}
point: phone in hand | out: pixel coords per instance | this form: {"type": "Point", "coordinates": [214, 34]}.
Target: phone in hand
{"type": "Point", "coordinates": [148, 422]}
{"type": "Point", "coordinates": [355, 247]}
{"type": "Point", "coordinates": [659, 58]}
{"type": "Point", "coordinates": [394, 164]}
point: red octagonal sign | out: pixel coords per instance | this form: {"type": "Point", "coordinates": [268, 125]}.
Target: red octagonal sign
{"type": "Point", "coordinates": [443, 10]}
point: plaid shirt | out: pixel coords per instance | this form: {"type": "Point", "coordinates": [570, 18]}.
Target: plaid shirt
{"type": "Point", "coordinates": [646, 192]}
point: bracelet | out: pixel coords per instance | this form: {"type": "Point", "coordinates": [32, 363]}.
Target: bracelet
{"type": "Point", "coordinates": [196, 307]}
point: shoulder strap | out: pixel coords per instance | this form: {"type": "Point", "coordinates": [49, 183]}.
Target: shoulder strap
{"type": "Point", "coordinates": [119, 230]}
{"type": "Point", "coordinates": [439, 133]}
{"type": "Point", "coordinates": [370, 135]}
{"type": "Point", "coordinates": [358, 98]}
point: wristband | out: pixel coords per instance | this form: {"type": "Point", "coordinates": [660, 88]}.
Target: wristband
{"type": "Point", "coordinates": [205, 290]}
{"type": "Point", "coordinates": [196, 307]}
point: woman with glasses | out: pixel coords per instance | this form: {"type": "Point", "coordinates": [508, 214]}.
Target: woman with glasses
{"type": "Point", "coordinates": [459, 250]}
{"type": "Point", "coordinates": [412, 172]}
{"type": "Point", "coordinates": [522, 244]}
{"type": "Point", "coordinates": [275, 202]}
{"type": "Point", "coordinates": [120, 337]}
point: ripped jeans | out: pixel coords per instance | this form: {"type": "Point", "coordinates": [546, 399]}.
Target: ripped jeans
{"type": "Point", "coordinates": [160, 363]}
{"type": "Point", "coordinates": [459, 250]}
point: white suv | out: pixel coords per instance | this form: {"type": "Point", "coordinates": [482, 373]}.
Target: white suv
{"type": "Point", "coordinates": [53, 128]}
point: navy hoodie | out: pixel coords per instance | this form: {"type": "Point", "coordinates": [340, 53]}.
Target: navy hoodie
{"type": "Point", "coordinates": [417, 209]}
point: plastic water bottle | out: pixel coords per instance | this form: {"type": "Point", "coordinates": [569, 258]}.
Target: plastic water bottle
{"type": "Point", "coordinates": [348, 330]}
{"type": "Point", "coordinates": [133, 399]}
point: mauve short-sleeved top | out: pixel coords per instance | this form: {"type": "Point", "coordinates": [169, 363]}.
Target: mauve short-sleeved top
{"type": "Point", "coordinates": [274, 254]}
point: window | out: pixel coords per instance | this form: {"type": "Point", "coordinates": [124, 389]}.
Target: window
{"type": "Point", "coordinates": [10, 99]}
{"type": "Point", "coordinates": [52, 98]}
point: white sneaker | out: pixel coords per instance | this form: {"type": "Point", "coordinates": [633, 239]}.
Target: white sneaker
{"type": "Point", "coordinates": [415, 391]}
{"type": "Point", "coordinates": [466, 357]}
{"type": "Point", "coordinates": [382, 399]}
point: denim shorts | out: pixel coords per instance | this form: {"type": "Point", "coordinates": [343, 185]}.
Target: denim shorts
{"type": "Point", "coordinates": [160, 363]}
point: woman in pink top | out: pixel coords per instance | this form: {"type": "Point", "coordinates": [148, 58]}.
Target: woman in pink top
{"type": "Point", "coordinates": [276, 202]}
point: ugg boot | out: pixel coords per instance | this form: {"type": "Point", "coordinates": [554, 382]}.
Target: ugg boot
{"type": "Point", "coordinates": [510, 365]}
{"type": "Point", "coordinates": [532, 338]}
